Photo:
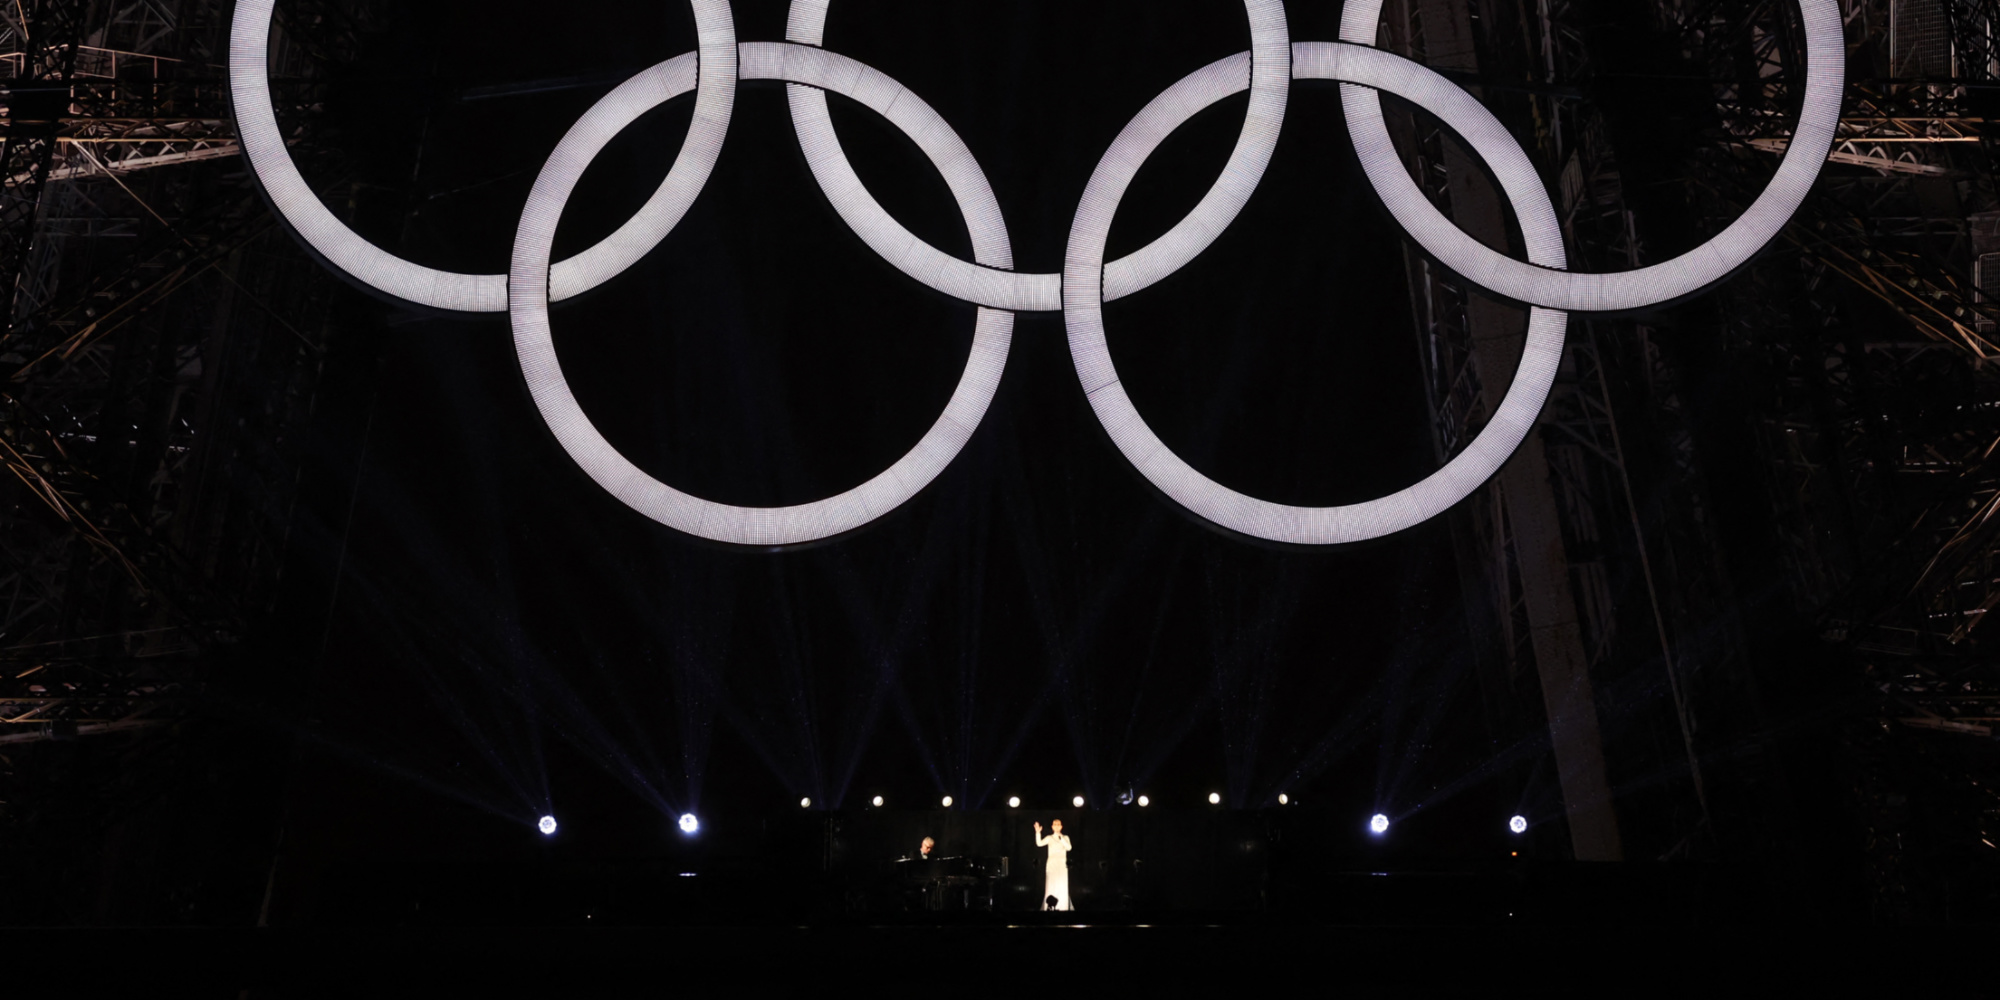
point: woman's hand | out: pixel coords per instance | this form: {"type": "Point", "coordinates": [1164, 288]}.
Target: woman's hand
{"type": "Point", "coordinates": [1038, 826]}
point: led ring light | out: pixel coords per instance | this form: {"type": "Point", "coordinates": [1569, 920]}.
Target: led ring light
{"type": "Point", "coordinates": [1812, 140]}
{"type": "Point", "coordinates": [1043, 292]}
{"type": "Point", "coordinates": [1085, 283]}
{"type": "Point", "coordinates": [1083, 312]}
{"type": "Point", "coordinates": [713, 65]}
{"type": "Point", "coordinates": [764, 526]}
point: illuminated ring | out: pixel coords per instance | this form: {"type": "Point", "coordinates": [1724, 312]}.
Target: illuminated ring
{"type": "Point", "coordinates": [1083, 313]}
{"type": "Point", "coordinates": [711, 71]}
{"type": "Point", "coordinates": [1663, 282]}
{"type": "Point", "coordinates": [997, 284]}
{"type": "Point", "coordinates": [528, 303]}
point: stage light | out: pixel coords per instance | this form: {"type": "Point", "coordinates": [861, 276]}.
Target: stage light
{"type": "Point", "coordinates": [1518, 824]}
{"type": "Point", "coordinates": [1215, 798]}
{"type": "Point", "coordinates": [877, 801]}
{"type": "Point", "coordinates": [689, 824]}
{"type": "Point", "coordinates": [806, 803]}
{"type": "Point", "coordinates": [1014, 802]}
{"type": "Point", "coordinates": [547, 826]}
{"type": "Point", "coordinates": [1378, 825]}
{"type": "Point", "coordinates": [1077, 802]}
{"type": "Point", "coordinates": [1283, 799]}
{"type": "Point", "coordinates": [947, 802]}
{"type": "Point", "coordinates": [1144, 802]}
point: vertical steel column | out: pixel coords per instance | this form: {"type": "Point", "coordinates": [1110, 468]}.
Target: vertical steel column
{"type": "Point", "coordinates": [1526, 497]}
{"type": "Point", "coordinates": [37, 100]}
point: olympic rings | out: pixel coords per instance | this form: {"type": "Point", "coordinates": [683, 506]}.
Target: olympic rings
{"type": "Point", "coordinates": [1086, 281]}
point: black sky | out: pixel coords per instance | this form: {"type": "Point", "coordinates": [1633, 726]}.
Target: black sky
{"type": "Point", "coordinates": [504, 636]}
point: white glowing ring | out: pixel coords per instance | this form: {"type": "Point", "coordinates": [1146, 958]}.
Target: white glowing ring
{"type": "Point", "coordinates": [1084, 315]}
{"type": "Point", "coordinates": [997, 284]}
{"type": "Point", "coordinates": [711, 71]}
{"type": "Point", "coordinates": [1711, 262]}
{"type": "Point", "coordinates": [528, 303]}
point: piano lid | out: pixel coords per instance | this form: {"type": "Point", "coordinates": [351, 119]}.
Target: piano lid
{"type": "Point", "coordinates": [953, 867]}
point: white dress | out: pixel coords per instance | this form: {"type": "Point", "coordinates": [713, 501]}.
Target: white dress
{"type": "Point", "coordinates": [1057, 882]}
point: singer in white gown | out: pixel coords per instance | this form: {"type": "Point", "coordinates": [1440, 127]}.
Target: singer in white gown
{"type": "Point", "coordinates": [1057, 880]}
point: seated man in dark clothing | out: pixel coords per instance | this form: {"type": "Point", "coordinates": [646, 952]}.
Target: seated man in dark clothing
{"type": "Point", "coordinates": [924, 897]}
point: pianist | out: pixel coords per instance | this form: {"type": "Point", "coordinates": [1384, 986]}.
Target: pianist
{"type": "Point", "coordinates": [932, 881]}
{"type": "Point", "coordinates": [929, 893]}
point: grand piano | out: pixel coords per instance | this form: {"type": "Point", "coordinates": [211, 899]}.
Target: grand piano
{"type": "Point", "coordinates": [952, 883]}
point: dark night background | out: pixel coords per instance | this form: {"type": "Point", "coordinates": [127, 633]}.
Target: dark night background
{"type": "Point", "coordinates": [466, 633]}
{"type": "Point", "coordinates": [505, 639]}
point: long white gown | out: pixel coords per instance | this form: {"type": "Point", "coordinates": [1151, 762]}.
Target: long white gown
{"type": "Point", "coordinates": [1057, 881]}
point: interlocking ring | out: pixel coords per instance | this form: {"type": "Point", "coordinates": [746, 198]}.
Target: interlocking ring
{"type": "Point", "coordinates": [257, 132]}
{"type": "Point", "coordinates": [1086, 282]}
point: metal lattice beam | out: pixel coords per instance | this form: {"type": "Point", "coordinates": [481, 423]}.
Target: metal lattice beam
{"type": "Point", "coordinates": [129, 547]}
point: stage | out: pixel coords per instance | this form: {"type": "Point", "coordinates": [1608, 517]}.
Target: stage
{"type": "Point", "coordinates": [1128, 868]}
{"type": "Point", "coordinates": [1168, 900]}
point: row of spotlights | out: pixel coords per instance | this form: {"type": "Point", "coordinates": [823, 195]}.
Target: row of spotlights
{"type": "Point", "coordinates": [1378, 824]}
{"type": "Point", "coordinates": [688, 823]}
{"type": "Point", "coordinates": [1014, 801]}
